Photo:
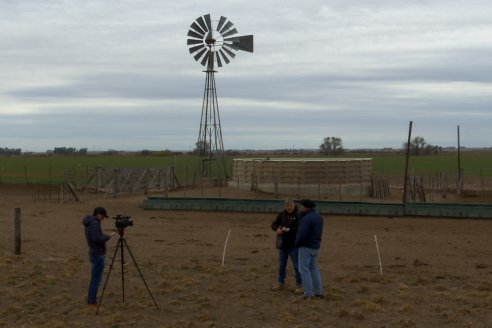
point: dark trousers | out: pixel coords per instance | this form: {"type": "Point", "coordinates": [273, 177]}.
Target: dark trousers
{"type": "Point", "coordinates": [283, 257]}
{"type": "Point", "coordinates": [96, 277]}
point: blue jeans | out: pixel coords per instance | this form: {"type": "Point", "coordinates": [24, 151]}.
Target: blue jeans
{"type": "Point", "coordinates": [308, 267]}
{"type": "Point", "coordinates": [283, 257]}
{"type": "Point", "coordinates": [96, 276]}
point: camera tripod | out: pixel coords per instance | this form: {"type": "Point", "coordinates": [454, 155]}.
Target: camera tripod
{"type": "Point", "coordinates": [122, 243]}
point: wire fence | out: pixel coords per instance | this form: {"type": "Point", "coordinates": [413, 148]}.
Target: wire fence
{"type": "Point", "coordinates": [432, 187]}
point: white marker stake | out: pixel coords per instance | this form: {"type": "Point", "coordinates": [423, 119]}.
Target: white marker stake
{"type": "Point", "coordinates": [225, 246]}
{"type": "Point", "coordinates": [379, 256]}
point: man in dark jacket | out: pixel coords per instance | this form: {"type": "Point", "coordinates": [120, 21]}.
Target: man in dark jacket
{"type": "Point", "coordinates": [96, 240]}
{"type": "Point", "coordinates": [285, 226]}
{"type": "Point", "coordinates": [308, 240]}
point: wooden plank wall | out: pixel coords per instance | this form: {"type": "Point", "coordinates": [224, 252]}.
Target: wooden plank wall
{"type": "Point", "coordinates": [303, 171]}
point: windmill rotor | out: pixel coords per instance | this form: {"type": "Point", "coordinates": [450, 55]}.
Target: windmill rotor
{"type": "Point", "coordinates": [215, 43]}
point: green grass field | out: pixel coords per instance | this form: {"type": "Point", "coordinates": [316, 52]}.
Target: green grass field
{"type": "Point", "coordinates": [24, 169]}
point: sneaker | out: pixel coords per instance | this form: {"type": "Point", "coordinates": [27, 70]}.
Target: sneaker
{"type": "Point", "coordinates": [277, 287]}
{"type": "Point", "coordinates": [298, 291]}
{"type": "Point", "coordinates": [306, 298]}
{"type": "Point", "coordinates": [320, 296]}
{"type": "Point", "coordinates": [92, 306]}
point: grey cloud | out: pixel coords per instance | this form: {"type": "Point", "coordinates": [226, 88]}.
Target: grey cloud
{"type": "Point", "coordinates": [358, 70]}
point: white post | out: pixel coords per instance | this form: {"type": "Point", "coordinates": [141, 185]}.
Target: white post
{"type": "Point", "coordinates": [225, 246]}
{"type": "Point", "coordinates": [379, 255]}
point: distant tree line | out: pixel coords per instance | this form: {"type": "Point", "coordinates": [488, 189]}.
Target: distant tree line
{"type": "Point", "coordinates": [165, 152]}
{"type": "Point", "coordinates": [10, 151]}
{"type": "Point", "coordinates": [67, 151]}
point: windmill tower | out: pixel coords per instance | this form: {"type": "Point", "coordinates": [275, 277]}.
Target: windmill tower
{"type": "Point", "coordinates": [213, 43]}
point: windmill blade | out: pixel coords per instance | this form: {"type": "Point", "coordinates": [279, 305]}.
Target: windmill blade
{"type": "Point", "coordinates": [231, 32]}
{"type": "Point", "coordinates": [206, 58]}
{"type": "Point", "coordinates": [200, 54]}
{"type": "Point", "coordinates": [202, 23]}
{"type": "Point", "coordinates": [208, 21]}
{"type": "Point", "coordinates": [230, 53]}
{"type": "Point", "coordinates": [197, 28]}
{"type": "Point", "coordinates": [226, 27]}
{"type": "Point", "coordinates": [193, 41]}
{"type": "Point", "coordinates": [194, 34]}
{"type": "Point", "coordinates": [221, 22]}
{"type": "Point", "coordinates": [218, 61]}
{"type": "Point", "coordinates": [224, 56]}
{"type": "Point", "coordinates": [244, 42]}
{"type": "Point", "coordinates": [196, 48]}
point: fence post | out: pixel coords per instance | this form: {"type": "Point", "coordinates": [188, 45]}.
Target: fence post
{"type": "Point", "coordinates": [115, 185]}
{"type": "Point", "coordinates": [237, 176]}
{"type": "Point", "coordinates": [166, 184]}
{"type": "Point", "coordinates": [298, 187]}
{"type": "Point", "coordinates": [360, 188]}
{"type": "Point", "coordinates": [17, 231]}
{"type": "Point", "coordinates": [340, 188]}
{"type": "Point", "coordinates": [275, 186]}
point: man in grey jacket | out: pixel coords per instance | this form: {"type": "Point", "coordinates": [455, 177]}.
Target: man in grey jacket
{"type": "Point", "coordinates": [96, 240]}
{"type": "Point", "coordinates": [308, 240]}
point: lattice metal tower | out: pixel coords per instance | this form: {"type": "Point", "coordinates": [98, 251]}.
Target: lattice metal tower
{"type": "Point", "coordinates": [213, 43]}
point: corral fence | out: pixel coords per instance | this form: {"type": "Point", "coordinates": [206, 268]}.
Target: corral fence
{"type": "Point", "coordinates": [106, 181]}
{"type": "Point", "coordinates": [130, 180]}
{"type": "Point", "coordinates": [334, 179]}
{"type": "Point", "coordinates": [353, 179]}
{"type": "Point", "coordinates": [439, 186]}
{"type": "Point", "coordinates": [60, 190]}
{"type": "Point", "coordinates": [310, 177]}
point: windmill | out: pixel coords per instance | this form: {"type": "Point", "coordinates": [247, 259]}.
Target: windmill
{"type": "Point", "coordinates": [213, 43]}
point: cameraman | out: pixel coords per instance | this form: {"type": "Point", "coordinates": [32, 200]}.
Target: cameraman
{"type": "Point", "coordinates": [96, 240]}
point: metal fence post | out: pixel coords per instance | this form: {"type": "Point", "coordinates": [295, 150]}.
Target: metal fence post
{"type": "Point", "coordinates": [17, 231]}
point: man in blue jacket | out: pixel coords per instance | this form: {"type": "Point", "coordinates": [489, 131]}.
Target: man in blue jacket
{"type": "Point", "coordinates": [308, 240]}
{"type": "Point", "coordinates": [96, 240]}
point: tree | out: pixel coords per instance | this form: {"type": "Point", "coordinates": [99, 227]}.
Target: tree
{"type": "Point", "coordinates": [331, 145]}
{"type": "Point", "coordinates": [201, 148]}
{"type": "Point", "coordinates": [418, 146]}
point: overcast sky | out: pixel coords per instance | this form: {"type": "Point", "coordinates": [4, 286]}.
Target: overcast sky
{"type": "Point", "coordinates": [118, 74]}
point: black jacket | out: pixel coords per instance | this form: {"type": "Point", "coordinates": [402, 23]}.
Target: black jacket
{"type": "Point", "coordinates": [96, 239]}
{"type": "Point", "coordinates": [288, 220]}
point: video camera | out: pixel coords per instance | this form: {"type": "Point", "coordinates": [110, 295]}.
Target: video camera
{"type": "Point", "coordinates": [123, 221]}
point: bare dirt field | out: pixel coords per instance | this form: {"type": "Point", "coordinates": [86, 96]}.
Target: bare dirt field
{"type": "Point", "coordinates": [436, 272]}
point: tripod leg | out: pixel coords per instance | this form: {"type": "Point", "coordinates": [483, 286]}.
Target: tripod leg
{"type": "Point", "coordinates": [140, 272]}
{"type": "Point", "coordinates": [109, 272]}
{"type": "Point", "coordinates": [122, 268]}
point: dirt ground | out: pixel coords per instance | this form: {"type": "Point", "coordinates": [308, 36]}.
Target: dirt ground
{"type": "Point", "coordinates": [436, 272]}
